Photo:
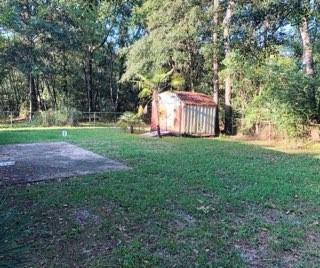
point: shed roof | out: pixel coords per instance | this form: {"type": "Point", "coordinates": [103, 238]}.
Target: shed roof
{"type": "Point", "coordinates": [194, 98]}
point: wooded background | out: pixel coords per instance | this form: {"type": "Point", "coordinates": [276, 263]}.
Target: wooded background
{"type": "Point", "coordinates": [259, 59]}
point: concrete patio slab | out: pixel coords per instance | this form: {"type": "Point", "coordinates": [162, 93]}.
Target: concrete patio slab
{"type": "Point", "coordinates": [28, 163]}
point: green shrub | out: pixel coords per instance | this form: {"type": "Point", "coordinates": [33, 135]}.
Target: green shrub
{"type": "Point", "coordinates": [54, 118]}
{"type": "Point", "coordinates": [273, 90]}
{"type": "Point", "coordinates": [37, 119]}
{"type": "Point", "coordinates": [130, 120]}
{"type": "Point", "coordinates": [287, 121]}
{"type": "Point", "coordinates": [74, 117]}
{"type": "Point", "coordinates": [24, 109]}
{"type": "Point", "coordinates": [60, 118]}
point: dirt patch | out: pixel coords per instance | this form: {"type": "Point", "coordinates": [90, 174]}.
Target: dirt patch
{"type": "Point", "coordinates": [186, 217]}
{"type": "Point", "coordinates": [253, 255]}
{"type": "Point", "coordinates": [313, 240]}
{"type": "Point", "coordinates": [84, 216]}
{"type": "Point", "coordinates": [111, 208]}
{"type": "Point", "coordinates": [44, 161]}
{"type": "Point", "coordinates": [182, 220]}
{"type": "Point", "coordinates": [250, 256]}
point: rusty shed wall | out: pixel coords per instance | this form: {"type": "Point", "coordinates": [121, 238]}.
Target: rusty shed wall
{"type": "Point", "coordinates": [198, 120]}
{"type": "Point", "coordinates": [183, 118]}
{"type": "Point", "coordinates": [170, 117]}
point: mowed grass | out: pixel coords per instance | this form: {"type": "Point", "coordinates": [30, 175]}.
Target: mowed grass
{"type": "Point", "coordinates": [185, 203]}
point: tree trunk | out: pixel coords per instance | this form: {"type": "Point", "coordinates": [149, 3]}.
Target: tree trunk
{"type": "Point", "coordinates": [228, 128]}
{"type": "Point", "coordinates": [307, 57]}
{"type": "Point", "coordinates": [89, 81]}
{"type": "Point", "coordinates": [156, 99]}
{"type": "Point", "coordinates": [33, 103]}
{"type": "Point", "coordinates": [307, 61]}
{"type": "Point", "coordinates": [90, 84]}
{"type": "Point", "coordinates": [52, 92]}
{"type": "Point", "coordinates": [111, 78]}
{"type": "Point", "coordinates": [38, 93]}
{"type": "Point", "coordinates": [65, 81]}
{"type": "Point", "coordinates": [13, 82]}
{"type": "Point", "coordinates": [118, 87]}
{"type": "Point", "coordinates": [116, 101]}
{"type": "Point", "coordinates": [122, 69]}
{"type": "Point", "coordinates": [215, 64]}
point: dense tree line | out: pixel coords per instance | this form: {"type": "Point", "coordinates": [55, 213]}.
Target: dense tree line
{"type": "Point", "coordinates": [63, 54]}
{"type": "Point", "coordinates": [258, 59]}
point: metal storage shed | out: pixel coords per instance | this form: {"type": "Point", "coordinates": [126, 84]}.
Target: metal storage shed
{"type": "Point", "coordinates": [184, 113]}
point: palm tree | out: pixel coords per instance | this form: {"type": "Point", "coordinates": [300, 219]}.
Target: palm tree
{"type": "Point", "coordinates": [130, 120]}
{"type": "Point", "coordinates": [156, 83]}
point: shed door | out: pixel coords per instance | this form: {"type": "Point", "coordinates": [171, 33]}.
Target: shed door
{"type": "Point", "coordinates": [199, 120]}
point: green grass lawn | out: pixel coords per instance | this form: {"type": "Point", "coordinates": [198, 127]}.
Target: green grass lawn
{"type": "Point", "coordinates": [185, 203]}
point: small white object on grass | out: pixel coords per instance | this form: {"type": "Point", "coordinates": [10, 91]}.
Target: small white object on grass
{"type": "Point", "coordinates": [64, 133]}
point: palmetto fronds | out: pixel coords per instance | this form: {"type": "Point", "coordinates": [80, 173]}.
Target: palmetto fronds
{"type": "Point", "coordinates": [159, 81]}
